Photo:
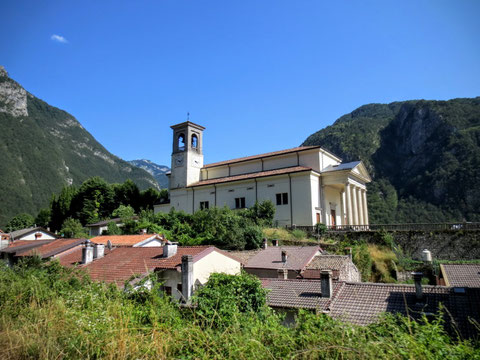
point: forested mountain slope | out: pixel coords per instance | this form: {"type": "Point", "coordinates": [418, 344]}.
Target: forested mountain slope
{"type": "Point", "coordinates": [157, 171]}
{"type": "Point", "coordinates": [43, 148]}
{"type": "Point", "coordinates": [424, 157]}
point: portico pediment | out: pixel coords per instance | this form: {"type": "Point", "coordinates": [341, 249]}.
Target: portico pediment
{"type": "Point", "coordinates": [339, 174]}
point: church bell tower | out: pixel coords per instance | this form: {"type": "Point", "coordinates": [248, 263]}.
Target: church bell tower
{"type": "Point", "coordinates": [187, 155]}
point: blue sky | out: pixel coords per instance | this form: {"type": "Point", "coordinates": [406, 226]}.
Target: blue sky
{"type": "Point", "coordinates": [259, 75]}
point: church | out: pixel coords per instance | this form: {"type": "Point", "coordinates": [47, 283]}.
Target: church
{"type": "Point", "coordinates": [308, 185]}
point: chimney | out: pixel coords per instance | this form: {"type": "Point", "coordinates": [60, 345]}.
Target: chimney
{"type": "Point", "coordinates": [284, 256]}
{"type": "Point", "coordinates": [326, 283]}
{"type": "Point", "coordinates": [417, 278]}
{"type": "Point", "coordinates": [282, 274]}
{"type": "Point", "coordinates": [427, 256]}
{"type": "Point", "coordinates": [87, 253]}
{"type": "Point", "coordinates": [98, 251]}
{"type": "Point", "coordinates": [169, 249]}
{"type": "Point", "coordinates": [265, 244]}
{"type": "Point", "coordinates": [274, 242]}
{"type": "Point", "coordinates": [187, 277]}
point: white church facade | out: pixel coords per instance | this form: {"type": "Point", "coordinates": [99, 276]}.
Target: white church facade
{"type": "Point", "coordinates": [307, 185]}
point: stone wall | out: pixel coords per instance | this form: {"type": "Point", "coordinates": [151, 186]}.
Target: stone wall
{"type": "Point", "coordinates": [444, 245]}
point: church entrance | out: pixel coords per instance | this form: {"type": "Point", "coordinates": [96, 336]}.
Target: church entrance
{"type": "Point", "coordinates": [318, 218]}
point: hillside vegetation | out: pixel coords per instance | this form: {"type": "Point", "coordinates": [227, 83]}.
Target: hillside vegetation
{"type": "Point", "coordinates": [424, 157]}
{"type": "Point", "coordinates": [48, 312]}
{"type": "Point", "coordinates": [44, 148]}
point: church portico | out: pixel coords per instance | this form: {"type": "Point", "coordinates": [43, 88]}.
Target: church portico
{"type": "Point", "coordinates": [307, 185]}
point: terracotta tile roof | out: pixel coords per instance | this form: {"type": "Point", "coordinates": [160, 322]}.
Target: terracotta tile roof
{"type": "Point", "coordinates": [271, 258]}
{"type": "Point", "coordinates": [362, 303]}
{"type": "Point", "coordinates": [259, 174]}
{"type": "Point", "coordinates": [254, 157]}
{"type": "Point", "coordinates": [121, 263]}
{"type": "Point", "coordinates": [53, 247]}
{"type": "Point", "coordinates": [19, 246]}
{"type": "Point", "coordinates": [122, 240]}
{"type": "Point", "coordinates": [461, 275]}
{"type": "Point", "coordinates": [305, 294]}
{"type": "Point", "coordinates": [106, 222]}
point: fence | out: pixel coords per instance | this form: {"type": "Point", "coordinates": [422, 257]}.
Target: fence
{"type": "Point", "coordinates": [393, 227]}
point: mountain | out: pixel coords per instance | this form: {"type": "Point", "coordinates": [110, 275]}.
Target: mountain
{"type": "Point", "coordinates": [424, 157]}
{"type": "Point", "coordinates": [43, 148]}
{"type": "Point", "coordinates": [157, 171]}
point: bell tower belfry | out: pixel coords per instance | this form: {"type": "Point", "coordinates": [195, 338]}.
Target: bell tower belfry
{"type": "Point", "coordinates": [187, 155]}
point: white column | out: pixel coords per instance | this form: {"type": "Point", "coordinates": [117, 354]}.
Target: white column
{"type": "Point", "coordinates": [365, 206]}
{"type": "Point", "coordinates": [361, 220]}
{"type": "Point", "coordinates": [354, 205]}
{"type": "Point", "coordinates": [342, 208]}
{"type": "Point", "coordinates": [348, 200]}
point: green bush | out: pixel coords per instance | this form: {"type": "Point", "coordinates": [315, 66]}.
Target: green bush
{"type": "Point", "coordinates": [299, 234]}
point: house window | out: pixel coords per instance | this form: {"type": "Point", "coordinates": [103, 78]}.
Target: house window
{"type": "Point", "coordinates": [203, 205]}
{"type": "Point", "coordinates": [179, 288]}
{"type": "Point", "coordinates": [240, 203]}
{"type": "Point", "coordinates": [168, 290]}
{"type": "Point", "coordinates": [282, 199]}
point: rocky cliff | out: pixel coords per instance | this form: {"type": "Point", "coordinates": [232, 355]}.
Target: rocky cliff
{"type": "Point", "coordinates": [157, 171]}
{"type": "Point", "coordinates": [43, 148]}
{"type": "Point", "coordinates": [424, 157]}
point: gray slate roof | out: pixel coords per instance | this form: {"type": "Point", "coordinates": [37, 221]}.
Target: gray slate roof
{"type": "Point", "coordinates": [271, 258]}
{"type": "Point", "coordinates": [343, 166]}
{"type": "Point", "coordinates": [461, 275]}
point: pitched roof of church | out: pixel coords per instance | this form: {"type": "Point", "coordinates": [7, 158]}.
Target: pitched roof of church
{"type": "Point", "coordinates": [344, 166]}
{"type": "Point", "coordinates": [254, 157]}
{"type": "Point", "coordinates": [259, 174]}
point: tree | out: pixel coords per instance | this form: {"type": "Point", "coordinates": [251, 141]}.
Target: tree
{"type": "Point", "coordinates": [43, 218]}
{"type": "Point", "coordinates": [72, 228]}
{"type": "Point", "coordinates": [113, 229]}
{"type": "Point", "coordinates": [224, 296]}
{"type": "Point", "coordinates": [124, 212]}
{"type": "Point", "coordinates": [20, 221]}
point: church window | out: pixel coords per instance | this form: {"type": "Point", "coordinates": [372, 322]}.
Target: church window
{"type": "Point", "coordinates": [240, 203]}
{"type": "Point", "coordinates": [203, 205]}
{"type": "Point", "coordinates": [181, 142]}
{"type": "Point", "coordinates": [194, 141]}
{"type": "Point", "coordinates": [282, 199]}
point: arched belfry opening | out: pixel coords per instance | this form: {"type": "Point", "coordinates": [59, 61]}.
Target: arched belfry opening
{"type": "Point", "coordinates": [194, 142]}
{"type": "Point", "coordinates": [181, 142]}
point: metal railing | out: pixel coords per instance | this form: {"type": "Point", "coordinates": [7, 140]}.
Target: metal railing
{"type": "Point", "coordinates": [394, 227]}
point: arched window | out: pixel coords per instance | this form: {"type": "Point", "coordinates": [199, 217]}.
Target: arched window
{"type": "Point", "coordinates": [181, 142]}
{"type": "Point", "coordinates": [194, 141]}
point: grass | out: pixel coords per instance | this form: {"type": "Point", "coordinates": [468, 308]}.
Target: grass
{"type": "Point", "coordinates": [383, 262]}
{"type": "Point", "coordinates": [51, 313]}
{"type": "Point", "coordinates": [289, 237]}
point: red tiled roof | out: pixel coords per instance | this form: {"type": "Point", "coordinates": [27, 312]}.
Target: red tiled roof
{"type": "Point", "coordinates": [253, 157]}
{"type": "Point", "coordinates": [53, 247]}
{"type": "Point", "coordinates": [122, 240]}
{"type": "Point", "coordinates": [259, 174]}
{"type": "Point", "coordinates": [271, 258]}
{"type": "Point", "coordinates": [461, 275]}
{"type": "Point", "coordinates": [121, 263]}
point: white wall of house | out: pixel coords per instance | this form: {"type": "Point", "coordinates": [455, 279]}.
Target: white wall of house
{"type": "Point", "coordinates": [214, 262]}
{"type": "Point", "coordinates": [31, 236]}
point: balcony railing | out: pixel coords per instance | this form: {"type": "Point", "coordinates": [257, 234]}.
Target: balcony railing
{"type": "Point", "coordinates": [455, 226]}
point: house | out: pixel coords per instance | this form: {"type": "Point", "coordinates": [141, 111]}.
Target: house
{"type": "Point", "coordinates": [363, 303]}
{"type": "Point", "coordinates": [4, 239]}
{"type": "Point", "coordinates": [281, 261]}
{"type": "Point", "coordinates": [460, 275]}
{"type": "Point", "coordinates": [33, 233]}
{"type": "Point", "coordinates": [307, 184]}
{"type": "Point", "coordinates": [98, 228]}
{"type": "Point", "coordinates": [342, 266]}
{"type": "Point", "coordinates": [141, 240]}
{"type": "Point", "coordinates": [181, 269]}
{"type": "Point", "coordinates": [46, 249]}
